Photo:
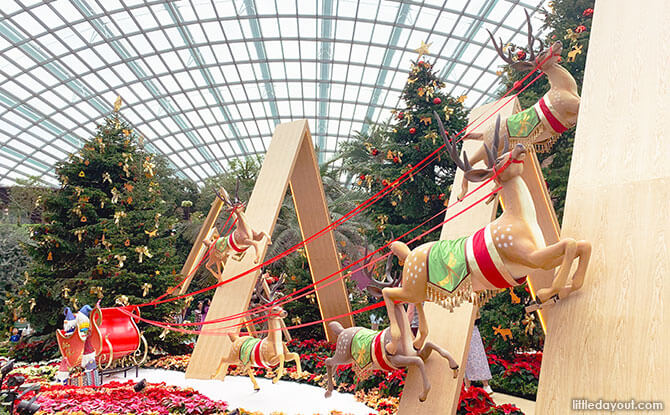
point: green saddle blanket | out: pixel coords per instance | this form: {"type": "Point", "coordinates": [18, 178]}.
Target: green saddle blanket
{"type": "Point", "coordinates": [247, 349]}
{"type": "Point", "coordinates": [522, 124]}
{"type": "Point", "coordinates": [447, 266]}
{"type": "Point", "coordinates": [361, 346]}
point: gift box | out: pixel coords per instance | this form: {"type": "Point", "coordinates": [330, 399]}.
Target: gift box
{"type": "Point", "coordinates": [89, 378]}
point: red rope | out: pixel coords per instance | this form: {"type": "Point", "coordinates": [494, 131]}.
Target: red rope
{"type": "Point", "coordinates": [401, 179]}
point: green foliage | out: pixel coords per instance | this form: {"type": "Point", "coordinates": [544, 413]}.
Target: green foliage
{"type": "Point", "coordinates": [566, 15]}
{"type": "Point", "coordinates": [35, 348]}
{"type": "Point", "coordinates": [107, 232]}
{"type": "Point", "coordinates": [502, 313]}
{"type": "Point", "coordinates": [376, 158]}
{"type": "Point", "coordinates": [13, 263]}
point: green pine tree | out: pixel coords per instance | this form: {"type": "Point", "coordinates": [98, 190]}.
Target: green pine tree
{"type": "Point", "coordinates": [108, 232]}
{"type": "Point", "coordinates": [378, 157]}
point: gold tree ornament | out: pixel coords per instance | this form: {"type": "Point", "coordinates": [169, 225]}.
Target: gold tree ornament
{"type": "Point", "coordinates": [145, 289]}
{"type": "Point", "coordinates": [143, 251]}
{"type": "Point", "coordinates": [515, 298]}
{"type": "Point", "coordinates": [576, 50]}
{"type": "Point", "coordinates": [506, 334]}
{"type": "Point", "coordinates": [97, 291]}
{"type": "Point", "coordinates": [529, 322]}
{"type": "Point", "coordinates": [117, 103]}
{"type": "Point", "coordinates": [65, 292]}
{"type": "Point", "coordinates": [106, 177]}
{"type": "Point", "coordinates": [121, 259]}
{"type": "Point", "coordinates": [423, 49]}
{"type": "Point", "coordinates": [32, 304]}
{"type": "Point", "coordinates": [122, 300]}
{"type": "Point", "coordinates": [79, 233]}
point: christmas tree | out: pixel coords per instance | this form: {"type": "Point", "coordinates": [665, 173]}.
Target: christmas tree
{"type": "Point", "coordinates": [107, 235]}
{"type": "Point", "coordinates": [389, 150]}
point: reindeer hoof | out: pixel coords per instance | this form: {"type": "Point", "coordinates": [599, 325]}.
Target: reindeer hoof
{"type": "Point", "coordinates": [422, 398]}
{"type": "Point", "coordinates": [257, 389]}
{"type": "Point", "coordinates": [455, 372]}
{"type": "Point", "coordinates": [328, 394]}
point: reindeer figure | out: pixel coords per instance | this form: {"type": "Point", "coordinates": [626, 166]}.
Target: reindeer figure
{"type": "Point", "coordinates": [269, 352]}
{"type": "Point", "coordinates": [366, 349]}
{"type": "Point", "coordinates": [500, 255]}
{"type": "Point", "coordinates": [555, 112]}
{"type": "Point", "coordinates": [237, 242]}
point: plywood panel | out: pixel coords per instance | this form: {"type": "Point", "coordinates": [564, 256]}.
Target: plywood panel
{"type": "Point", "coordinates": [609, 341]}
{"type": "Point", "coordinates": [452, 330]}
{"type": "Point", "coordinates": [322, 255]}
{"type": "Point", "coordinates": [262, 210]}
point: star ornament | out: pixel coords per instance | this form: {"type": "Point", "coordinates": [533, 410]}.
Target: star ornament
{"type": "Point", "coordinates": [423, 49]}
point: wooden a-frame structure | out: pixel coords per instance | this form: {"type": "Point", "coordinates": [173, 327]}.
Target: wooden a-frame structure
{"type": "Point", "coordinates": [290, 160]}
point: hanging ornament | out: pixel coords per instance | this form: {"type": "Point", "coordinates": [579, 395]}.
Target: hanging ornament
{"type": "Point", "coordinates": [97, 290]}
{"type": "Point", "coordinates": [515, 298]}
{"type": "Point", "coordinates": [118, 215]}
{"type": "Point", "coordinates": [50, 256]}
{"type": "Point", "coordinates": [570, 35]}
{"type": "Point", "coordinates": [83, 219]}
{"type": "Point", "coordinates": [148, 167]}
{"type": "Point", "coordinates": [86, 162]}
{"type": "Point", "coordinates": [374, 152]}
{"type": "Point", "coordinates": [106, 177]}
{"type": "Point", "coordinates": [517, 85]}
{"type": "Point", "coordinates": [122, 301]}
{"type": "Point", "coordinates": [401, 114]}
{"type": "Point", "coordinates": [64, 180]}
{"type": "Point", "coordinates": [431, 135]}
{"type": "Point", "coordinates": [126, 132]}
{"type": "Point", "coordinates": [65, 292]}
{"type": "Point", "coordinates": [115, 195]}
{"type": "Point", "coordinates": [75, 305]}
{"type": "Point", "coordinates": [129, 200]}
{"type": "Point", "coordinates": [412, 130]}
{"type": "Point", "coordinates": [437, 101]}
{"type": "Point", "coordinates": [143, 251]}
{"type": "Point", "coordinates": [499, 72]}
{"type": "Point", "coordinates": [145, 289]}
{"type": "Point", "coordinates": [128, 186]}
{"type": "Point", "coordinates": [82, 174]}
{"type": "Point", "coordinates": [311, 298]}
{"type": "Point", "coordinates": [576, 50]}
{"type": "Point", "coordinates": [32, 304]}
{"type": "Point", "coordinates": [426, 198]}
{"type": "Point", "coordinates": [126, 242]}
{"type": "Point", "coordinates": [120, 258]}
{"type": "Point", "coordinates": [426, 120]}
{"type": "Point", "coordinates": [587, 12]}
{"type": "Point", "coordinates": [462, 99]}
{"type": "Point", "coordinates": [580, 29]}
{"type": "Point", "coordinates": [296, 320]}
{"type": "Point", "coordinates": [153, 233]}
{"type": "Point", "coordinates": [421, 92]}
{"type": "Point", "coordinates": [506, 334]}
{"type": "Point", "coordinates": [529, 322]}
{"type": "Point", "coordinates": [520, 55]}
{"type": "Point", "coordinates": [79, 233]}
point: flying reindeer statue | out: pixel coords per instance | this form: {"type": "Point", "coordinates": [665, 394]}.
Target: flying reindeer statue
{"type": "Point", "coordinates": [366, 348]}
{"type": "Point", "coordinates": [540, 125]}
{"type": "Point", "coordinates": [238, 241]}
{"type": "Point", "coordinates": [473, 268]}
{"type": "Point", "coordinates": [269, 352]}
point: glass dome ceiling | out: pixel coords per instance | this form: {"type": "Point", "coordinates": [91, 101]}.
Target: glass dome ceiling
{"type": "Point", "coordinates": [206, 81]}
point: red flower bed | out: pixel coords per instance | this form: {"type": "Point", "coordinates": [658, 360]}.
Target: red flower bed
{"type": "Point", "coordinates": [116, 397]}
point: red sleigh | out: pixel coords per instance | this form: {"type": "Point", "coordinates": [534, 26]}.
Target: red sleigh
{"type": "Point", "coordinates": [114, 336]}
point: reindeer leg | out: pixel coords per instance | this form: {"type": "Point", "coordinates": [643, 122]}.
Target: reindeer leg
{"type": "Point", "coordinates": [561, 253]}
{"type": "Point", "coordinates": [330, 369]}
{"type": "Point", "coordinates": [289, 356]}
{"type": "Point", "coordinates": [584, 254]}
{"type": "Point", "coordinates": [423, 327]}
{"type": "Point", "coordinates": [250, 372]}
{"type": "Point", "coordinates": [280, 369]}
{"type": "Point", "coordinates": [390, 295]}
{"type": "Point", "coordinates": [404, 361]}
{"type": "Point", "coordinates": [430, 346]}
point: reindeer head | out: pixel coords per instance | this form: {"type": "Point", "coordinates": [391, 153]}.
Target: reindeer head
{"type": "Point", "coordinates": [235, 204]}
{"type": "Point", "coordinates": [528, 61]}
{"type": "Point", "coordinates": [261, 298]}
{"type": "Point", "coordinates": [508, 165]}
{"type": "Point", "coordinates": [390, 280]}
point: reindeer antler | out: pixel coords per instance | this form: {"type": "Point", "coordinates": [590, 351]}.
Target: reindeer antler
{"type": "Point", "coordinates": [223, 195]}
{"type": "Point", "coordinates": [520, 64]}
{"type": "Point", "coordinates": [450, 145]}
{"type": "Point", "coordinates": [390, 280]}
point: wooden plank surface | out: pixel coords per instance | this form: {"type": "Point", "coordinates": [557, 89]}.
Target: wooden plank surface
{"type": "Point", "coordinates": [322, 254]}
{"type": "Point", "coordinates": [453, 330]}
{"type": "Point", "coordinates": [262, 211]}
{"type": "Point", "coordinates": [199, 249]}
{"type": "Point", "coordinates": [609, 341]}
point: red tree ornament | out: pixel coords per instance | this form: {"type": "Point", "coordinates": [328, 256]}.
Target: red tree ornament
{"type": "Point", "coordinates": [437, 101]}
{"type": "Point", "coordinates": [401, 115]}
{"type": "Point", "coordinates": [374, 152]}
{"type": "Point", "coordinates": [587, 12]}
{"type": "Point", "coordinates": [362, 177]}
{"type": "Point", "coordinates": [521, 55]}
{"type": "Point", "coordinates": [385, 182]}
{"type": "Point", "coordinates": [412, 130]}
{"type": "Point", "coordinates": [518, 85]}
{"type": "Point", "coordinates": [581, 28]}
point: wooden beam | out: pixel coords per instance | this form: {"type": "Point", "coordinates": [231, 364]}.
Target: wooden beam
{"type": "Point", "coordinates": [322, 254]}
{"type": "Point", "coordinates": [199, 249]}
{"type": "Point", "coordinates": [287, 152]}
{"type": "Point", "coordinates": [609, 340]}
{"type": "Point", "coordinates": [452, 330]}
